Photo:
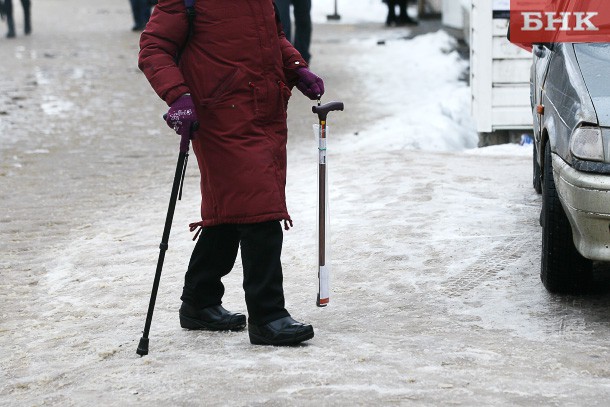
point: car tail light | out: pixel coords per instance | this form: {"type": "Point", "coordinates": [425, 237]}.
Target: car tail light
{"type": "Point", "coordinates": [587, 144]}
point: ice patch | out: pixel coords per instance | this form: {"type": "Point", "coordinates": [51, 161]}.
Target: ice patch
{"type": "Point", "coordinates": [53, 105]}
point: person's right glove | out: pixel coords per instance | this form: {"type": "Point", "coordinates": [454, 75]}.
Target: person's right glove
{"type": "Point", "coordinates": [310, 84]}
{"type": "Point", "coordinates": [181, 115]}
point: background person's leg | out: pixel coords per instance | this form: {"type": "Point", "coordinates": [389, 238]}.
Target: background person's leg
{"type": "Point", "coordinates": [391, 19]}
{"type": "Point", "coordinates": [27, 20]}
{"type": "Point", "coordinates": [302, 27]}
{"type": "Point", "coordinates": [284, 8]}
{"type": "Point", "coordinates": [8, 9]}
{"type": "Point", "coordinates": [145, 12]}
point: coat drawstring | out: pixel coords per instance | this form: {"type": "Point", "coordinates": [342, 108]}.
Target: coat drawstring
{"type": "Point", "coordinates": [196, 225]}
{"type": "Point", "coordinates": [199, 227]}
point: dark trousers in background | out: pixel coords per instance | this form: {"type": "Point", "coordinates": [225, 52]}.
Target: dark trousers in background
{"type": "Point", "coordinates": [403, 17]}
{"type": "Point", "coordinates": [214, 256]}
{"type": "Point", "coordinates": [302, 24]}
{"type": "Point", "coordinates": [141, 13]}
{"type": "Point", "coordinates": [402, 5]}
{"type": "Point", "coordinates": [8, 9]}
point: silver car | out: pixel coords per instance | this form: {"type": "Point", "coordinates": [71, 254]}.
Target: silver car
{"type": "Point", "coordinates": [570, 96]}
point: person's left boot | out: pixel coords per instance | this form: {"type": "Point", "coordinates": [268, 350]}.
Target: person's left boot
{"type": "Point", "coordinates": [281, 332]}
{"type": "Point", "coordinates": [214, 318]}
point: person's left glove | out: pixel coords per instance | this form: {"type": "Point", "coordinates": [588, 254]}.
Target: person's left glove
{"type": "Point", "coordinates": [310, 84]}
{"type": "Point", "coordinates": [181, 115]}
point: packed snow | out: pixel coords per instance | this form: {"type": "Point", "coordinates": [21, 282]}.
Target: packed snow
{"type": "Point", "coordinates": [435, 294]}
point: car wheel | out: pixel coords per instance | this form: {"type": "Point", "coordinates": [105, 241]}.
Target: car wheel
{"type": "Point", "coordinates": [563, 269]}
{"type": "Point", "coordinates": [537, 172]}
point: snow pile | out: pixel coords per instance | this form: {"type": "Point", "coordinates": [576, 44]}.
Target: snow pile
{"type": "Point", "coordinates": [415, 87]}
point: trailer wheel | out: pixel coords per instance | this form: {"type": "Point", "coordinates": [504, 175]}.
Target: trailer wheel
{"type": "Point", "coordinates": [563, 270]}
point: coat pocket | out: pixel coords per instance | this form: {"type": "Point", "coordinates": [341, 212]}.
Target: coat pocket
{"type": "Point", "coordinates": [223, 94]}
{"type": "Point", "coordinates": [285, 95]}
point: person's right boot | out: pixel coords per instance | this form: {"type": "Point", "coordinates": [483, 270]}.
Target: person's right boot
{"type": "Point", "coordinates": [214, 318]}
{"type": "Point", "coordinates": [281, 332]}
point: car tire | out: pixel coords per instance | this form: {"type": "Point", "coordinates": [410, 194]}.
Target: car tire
{"type": "Point", "coordinates": [537, 172]}
{"type": "Point", "coordinates": [563, 269]}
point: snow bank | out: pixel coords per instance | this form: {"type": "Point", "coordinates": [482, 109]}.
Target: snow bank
{"type": "Point", "coordinates": [415, 87]}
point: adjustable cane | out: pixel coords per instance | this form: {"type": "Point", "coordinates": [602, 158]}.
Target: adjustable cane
{"type": "Point", "coordinates": [323, 269]}
{"type": "Point", "coordinates": [176, 195]}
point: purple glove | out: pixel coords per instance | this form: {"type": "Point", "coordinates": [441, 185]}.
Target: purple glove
{"type": "Point", "coordinates": [310, 84]}
{"type": "Point", "coordinates": [181, 115]}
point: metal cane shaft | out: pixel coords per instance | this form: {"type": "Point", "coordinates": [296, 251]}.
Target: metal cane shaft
{"type": "Point", "coordinates": [322, 216]}
{"type": "Point", "coordinates": [143, 347]}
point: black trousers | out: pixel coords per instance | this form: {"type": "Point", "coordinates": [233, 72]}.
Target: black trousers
{"type": "Point", "coordinates": [302, 24]}
{"type": "Point", "coordinates": [140, 9]}
{"type": "Point", "coordinates": [8, 9]}
{"type": "Point", "coordinates": [214, 256]}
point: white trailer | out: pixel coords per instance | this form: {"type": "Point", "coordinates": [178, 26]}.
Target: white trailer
{"type": "Point", "coordinates": [499, 75]}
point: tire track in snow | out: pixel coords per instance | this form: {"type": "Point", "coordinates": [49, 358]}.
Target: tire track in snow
{"type": "Point", "coordinates": [504, 254]}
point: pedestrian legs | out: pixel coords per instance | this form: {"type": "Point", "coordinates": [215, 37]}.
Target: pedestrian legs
{"type": "Point", "coordinates": [261, 249]}
{"type": "Point", "coordinates": [283, 7]}
{"type": "Point", "coordinates": [140, 10]}
{"type": "Point", "coordinates": [27, 23]}
{"type": "Point", "coordinates": [391, 19]}
{"type": "Point", "coordinates": [302, 24]}
{"type": "Point", "coordinates": [213, 258]}
{"type": "Point", "coordinates": [403, 18]}
{"type": "Point", "coordinates": [8, 9]}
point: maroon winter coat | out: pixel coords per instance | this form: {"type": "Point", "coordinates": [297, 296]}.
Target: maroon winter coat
{"type": "Point", "coordinates": [239, 68]}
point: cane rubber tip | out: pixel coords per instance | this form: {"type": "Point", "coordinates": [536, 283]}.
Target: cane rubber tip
{"type": "Point", "coordinates": [321, 303]}
{"type": "Point", "coordinates": [143, 347]}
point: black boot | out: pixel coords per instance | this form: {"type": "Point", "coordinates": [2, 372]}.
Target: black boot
{"type": "Point", "coordinates": [214, 318]}
{"type": "Point", "coordinates": [282, 332]}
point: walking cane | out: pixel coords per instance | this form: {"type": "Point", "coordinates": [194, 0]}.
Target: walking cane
{"type": "Point", "coordinates": [176, 195]}
{"type": "Point", "coordinates": [323, 269]}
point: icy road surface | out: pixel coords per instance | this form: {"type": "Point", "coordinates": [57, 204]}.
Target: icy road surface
{"type": "Point", "coordinates": [436, 298]}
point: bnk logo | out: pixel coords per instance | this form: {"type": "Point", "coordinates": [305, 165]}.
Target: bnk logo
{"type": "Point", "coordinates": [538, 21]}
{"type": "Point", "coordinates": [563, 21]}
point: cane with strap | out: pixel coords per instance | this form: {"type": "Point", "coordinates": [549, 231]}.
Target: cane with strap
{"type": "Point", "coordinates": [323, 263]}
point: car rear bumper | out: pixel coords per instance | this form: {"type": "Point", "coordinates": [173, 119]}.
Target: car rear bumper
{"type": "Point", "coordinates": [586, 200]}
